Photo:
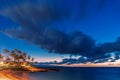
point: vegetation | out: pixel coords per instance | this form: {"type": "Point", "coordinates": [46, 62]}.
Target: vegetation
{"type": "Point", "coordinates": [15, 60]}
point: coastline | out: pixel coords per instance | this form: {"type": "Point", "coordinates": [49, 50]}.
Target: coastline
{"type": "Point", "coordinates": [8, 75]}
{"type": "Point", "coordinates": [22, 75]}
{"type": "Point", "coordinates": [14, 75]}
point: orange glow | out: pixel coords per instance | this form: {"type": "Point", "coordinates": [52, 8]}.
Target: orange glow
{"type": "Point", "coordinates": [40, 59]}
{"type": "Point", "coordinates": [89, 64]}
{"type": "Point", "coordinates": [1, 63]}
{"type": "Point", "coordinates": [13, 76]}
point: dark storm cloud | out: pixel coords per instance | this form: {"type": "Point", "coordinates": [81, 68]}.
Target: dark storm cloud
{"type": "Point", "coordinates": [36, 27]}
{"type": "Point", "coordinates": [55, 41]}
{"type": "Point", "coordinates": [36, 20]}
{"type": "Point", "coordinates": [108, 47]}
{"type": "Point", "coordinates": [53, 9]}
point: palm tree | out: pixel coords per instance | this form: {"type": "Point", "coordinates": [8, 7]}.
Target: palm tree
{"type": "Point", "coordinates": [24, 56]}
{"type": "Point", "coordinates": [12, 54]}
{"type": "Point", "coordinates": [21, 58]}
{"type": "Point", "coordinates": [6, 51]}
{"type": "Point", "coordinates": [18, 52]}
{"type": "Point", "coordinates": [8, 59]}
{"type": "Point", "coordinates": [32, 59]}
{"type": "Point", "coordinates": [1, 57]}
{"type": "Point", "coordinates": [29, 57]}
{"type": "Point", "coordinates": [18, 55]}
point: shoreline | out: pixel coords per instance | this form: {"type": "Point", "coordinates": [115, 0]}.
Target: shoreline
{"type": "Point", "coordinates": [34, 70]}
{"type": "Point", "coordinates": [21, 75]}
{"type": "Point", "coordinates": [8, 75]}
{"type": "Point", "coordinates": [12, 75]}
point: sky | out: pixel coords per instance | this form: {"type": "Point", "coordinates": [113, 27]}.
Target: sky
{"type": "Point", "coordinates": [52, 30]}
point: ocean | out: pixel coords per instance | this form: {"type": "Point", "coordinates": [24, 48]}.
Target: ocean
{"type": "Point", "coordinates": [78, 73]}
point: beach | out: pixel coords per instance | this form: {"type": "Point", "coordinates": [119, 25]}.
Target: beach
{"type": "Point", "coordinates": [23, 75]}
{"type": "Point", "coordinates": [67, 73]}
{"type": "Point", "coordinates": [11, 75]}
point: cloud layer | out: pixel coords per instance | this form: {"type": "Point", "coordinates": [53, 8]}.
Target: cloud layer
{"type": "Point", "coordinates": [36, 25]}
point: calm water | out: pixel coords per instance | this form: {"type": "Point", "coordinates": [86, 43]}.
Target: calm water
{"type": "Point", "coordinates": [78, 74]}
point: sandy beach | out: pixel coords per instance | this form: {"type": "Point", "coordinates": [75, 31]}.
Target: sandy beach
{"type": "Point", "coordinates": [4, 77]}
{"type": "Point", "coordinates": [11, 75]}
{"type": "Point", "coordinates": [22, 75]}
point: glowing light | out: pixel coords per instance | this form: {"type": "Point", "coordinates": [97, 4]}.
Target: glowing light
{"type": "Point", "coordinates": [1, 63]}
{"type": "Point", "coordinates": [4, 78]}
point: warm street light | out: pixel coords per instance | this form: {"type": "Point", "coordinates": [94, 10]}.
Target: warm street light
{"type": "Point", "coordinates": [1, 63]}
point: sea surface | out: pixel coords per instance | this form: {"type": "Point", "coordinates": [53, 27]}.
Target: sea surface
{"type": "Point", "coordinates": [78, 73]}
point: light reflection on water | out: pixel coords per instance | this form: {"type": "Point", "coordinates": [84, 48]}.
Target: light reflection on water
{"type": "Point", "coordinates": [77, 74]}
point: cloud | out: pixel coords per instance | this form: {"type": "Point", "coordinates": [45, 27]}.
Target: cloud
{"type": "Point", "coordinates": [108, 47]}
{"type": "Point", "coordinates": [69, 61]}
{"type": "Point", "coordinates": [36, 27]}
{"type": "Point", "coordinates": [55, 41]}
{"type": "Point", "coordinates": [36, 20]}
{"type": "Point", "coordinates": [107, 58]}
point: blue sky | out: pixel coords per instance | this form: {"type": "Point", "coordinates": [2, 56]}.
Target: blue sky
{"type": "Point", "coordinates": [102, 24]}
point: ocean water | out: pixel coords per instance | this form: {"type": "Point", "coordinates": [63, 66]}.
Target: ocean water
{"type": "Point", "coordinates": [78, 73]}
